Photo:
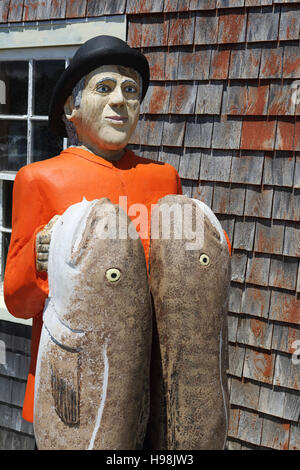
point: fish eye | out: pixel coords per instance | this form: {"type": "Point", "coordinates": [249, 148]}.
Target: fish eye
{"type": "Point", "coordinates": [113, 274]}
{"type": "Point", "coordinates": [204, 260]}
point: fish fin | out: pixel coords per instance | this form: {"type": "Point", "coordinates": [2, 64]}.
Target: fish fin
{"type": "Point", "coordinates": [65, 392]}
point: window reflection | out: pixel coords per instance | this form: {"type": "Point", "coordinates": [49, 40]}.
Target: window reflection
{"type": "Point", "coordinates": [45, 144]}
{"type": "Point", "coordinates": [13, 144]}
{"type": "Point", "coordinates": [14, 87]}
{"type": "Point", "coordinates": [46, 73]}
{"type": "Point", "coordinates": [5, 245]}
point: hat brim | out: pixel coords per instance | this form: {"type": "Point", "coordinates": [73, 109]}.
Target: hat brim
{"type": "Point", "coordinates": [84, 65]}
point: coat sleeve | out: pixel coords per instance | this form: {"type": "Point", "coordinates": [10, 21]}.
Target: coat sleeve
{"type": "Point", "coordinates": [25, 290]}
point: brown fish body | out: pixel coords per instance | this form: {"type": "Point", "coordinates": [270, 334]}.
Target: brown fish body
{"type": "Point", "coordinates": [92, 389]}
{"type": "Point", "coordinates": [189, 397]}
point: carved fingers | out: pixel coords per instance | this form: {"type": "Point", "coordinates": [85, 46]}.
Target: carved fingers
{"type": "Point", "coordinates": [42, 244]}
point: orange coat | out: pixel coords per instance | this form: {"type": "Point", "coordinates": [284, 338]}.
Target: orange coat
{"type": "Point", "coordinates": [49, 187]}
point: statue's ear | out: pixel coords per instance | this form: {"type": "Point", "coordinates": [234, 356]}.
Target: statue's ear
{"type": "Point", "coordinates": [69, 107]}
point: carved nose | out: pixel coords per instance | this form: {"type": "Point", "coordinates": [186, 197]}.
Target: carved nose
{"type": "Point", "coordinates": [117, 97]}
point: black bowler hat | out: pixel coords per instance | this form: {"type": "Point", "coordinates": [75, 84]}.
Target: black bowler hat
{"type": "Point", "coordinates": [101, 50]}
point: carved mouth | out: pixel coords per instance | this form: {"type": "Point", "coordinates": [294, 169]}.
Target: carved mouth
{"type": "Point", "coordinates": [117, 119]}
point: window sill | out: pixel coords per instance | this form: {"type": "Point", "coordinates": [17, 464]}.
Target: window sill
{"type": "Point", "coordinates": [8, 175]}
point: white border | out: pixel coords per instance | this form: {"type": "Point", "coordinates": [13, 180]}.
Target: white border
{"type": "Point", "coordinates": [60, 32]}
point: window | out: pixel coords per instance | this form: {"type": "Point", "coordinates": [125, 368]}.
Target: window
{"type": "Point", "coordinates": [27, 80]}
{"type": "Point", "coordinates": [32, 56]}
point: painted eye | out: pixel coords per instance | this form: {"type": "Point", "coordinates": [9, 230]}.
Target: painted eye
{"type": "Point", "coordinates": [103, 89]}
{"type": "Point", "coordinates": [113, 274]}
{"type": "Point", "coordinates": [130, 89]}
{"type": "Point", "coordinates": [204, 260]}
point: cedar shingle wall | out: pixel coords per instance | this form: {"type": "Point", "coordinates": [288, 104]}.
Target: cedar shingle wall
{"type": "Point", "coordinates": [220, 109]}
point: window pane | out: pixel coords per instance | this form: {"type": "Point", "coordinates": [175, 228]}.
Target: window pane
{"type": "Point", "coordinates": [5, 245]}
{"type": "Point", "coordinates": [46, 73]}
{"type": "Point", "coordinates": [7, 203]}
{"type": "Point", "coordinates": [13, 87]}
{"type": "Point", "coordinates": [45, 145]}
{"type": "Point", "coordinates": [13, 144]}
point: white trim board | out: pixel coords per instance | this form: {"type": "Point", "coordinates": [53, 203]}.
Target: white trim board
{"type": "Point", "coordinates": [60, 33]}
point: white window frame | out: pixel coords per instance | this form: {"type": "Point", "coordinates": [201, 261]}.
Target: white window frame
{"type": "Point", "coordinates": [13, 37]}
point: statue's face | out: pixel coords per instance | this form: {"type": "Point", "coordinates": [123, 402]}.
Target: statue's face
{"type": "Point", "coordinates": [109, 108]}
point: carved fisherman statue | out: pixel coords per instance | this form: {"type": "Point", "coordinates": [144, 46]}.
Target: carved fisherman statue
{"type": "Point", "coordinates": [129, 332]}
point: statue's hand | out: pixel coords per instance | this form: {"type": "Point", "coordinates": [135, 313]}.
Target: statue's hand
{"type": "Point", "coordinates": [42, 244]}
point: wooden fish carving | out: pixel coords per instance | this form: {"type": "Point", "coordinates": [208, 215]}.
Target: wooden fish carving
{"type": "Point", "coordinates": [92, 377]}
{"type": "Point", "coordinates": [189, 396]}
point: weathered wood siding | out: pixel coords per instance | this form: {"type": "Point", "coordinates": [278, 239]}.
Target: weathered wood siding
{"type": "Point", "coordinates": [221, 108]}
{"type": "Point", "coordinates": [15, 432]}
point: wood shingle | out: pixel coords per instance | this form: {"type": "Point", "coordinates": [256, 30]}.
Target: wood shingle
{"type": "Point", "coordinates": [285, 307]}
{"type": "Point", "coordinates": [182, 99]}
{"type": "Point", "coordinates": [204, 192]}
{"type": "Point", "coordinates": [15, 12]}
{"type": "Point", "coordinates": [226, 133]}
{"type": "Point", "coordinates": [291, 407]}
{"type": "Point", "coordinates": [190, 164]}
{"type": "Point", "coordinates": [206, 28]}
{"type": "Point", "coordinates": [238, 266]}
{"type": "Point", "coordinates": [255, 332]}
{"type": "Point", "coordinates": [76, 8]}
{"type": "Point", "coordinates": [4, 9]}
{"type": "Point", "coordinates": [244, 234]}
{"type": "Point", "coordinates": [289, 22]}
{"type": "Point", "coordinates": [279, 169]}
{"type": "Point", "coordinates": [58, 9]}
{"type": "Point", "coordinates": [271, 61]}
{"type": "Point", "coordinates": [256, 301]}
{"type": "Point", "coordinates": [286, 204]}
{"type": "Point", "coordinates": [202, 60]}
{"type": "Point", "coordinates": [286, 374]}
{"type": "Point", "coordinates": [259, 366]}
{"type": "Point", "coordinates": [295, 437]}
{"type": "Point", "coordinates": [258, 134]}
{"type": "Point", "coordinates": [247, 168]}
{"type": "Point", "coordinates": [244, 62]}
{"type": "Point", "coordinates": [216, 166]}
{"type": "Point", "coordinates": [250, 426]}
{"type": "Point", "coordinates": [263, 27]}
{"type": "Point", "coordinates": [291, 62]}
{"type": "Point", "coordinates": [198, 132]}
{"type": "Point", "coordinates": [244, 393]}
{"type": "Point", "coordinates": [275, 433]}
{"type": "Point", "coordinates": [269, 236]}
{"type": "Point", "coordinates": [284, 338]}
{"type": "Point", "coordinates": [236, 360]}
{"type": "Point", "coordinates": [271, 400]}
{"type": "Point", "coordinates": [181, 29]}
{"type": "Point", "coordinates": [209, 97]}
{"type": "Point", "coordinates": [235, 298]}
{"type": "Point", "coordinates": [232, 26]}
{"type": "Point", "coordinates": [291, 241]}
{"type": "Point", "coordinates": [258, 202]}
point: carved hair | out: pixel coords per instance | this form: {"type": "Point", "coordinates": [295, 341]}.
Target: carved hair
{"type": "Point", "coordinates": [70, 128]}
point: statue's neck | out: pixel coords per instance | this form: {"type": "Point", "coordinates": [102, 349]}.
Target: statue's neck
{"type": "Point", "coordinates": [106, 155]}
